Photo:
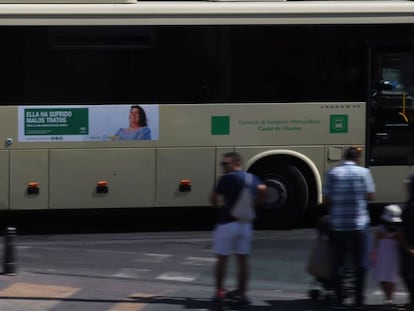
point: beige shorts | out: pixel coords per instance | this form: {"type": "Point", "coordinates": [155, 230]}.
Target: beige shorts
{"type": "Point", "coordinates": [233, 238]}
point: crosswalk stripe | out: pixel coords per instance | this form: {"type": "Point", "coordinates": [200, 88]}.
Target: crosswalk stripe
{"type": "Point", "coordinates": [131, 273]}
{"type": "Point", "coordinates": [178, 276]}
{"type": "Point", "coordinates": [199, 261]}
{"type": "Point", "coordinates": [152, 257]}
{"type": "Point", "coordinates": [21, 295]}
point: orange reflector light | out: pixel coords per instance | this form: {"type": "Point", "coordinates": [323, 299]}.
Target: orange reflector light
{"type": "Point", "coordinates": [102, 183]}
{"type": "Point", "coordinates": [185, 185]}
{"type": "Point", "coordinates": [33, 188]}
{"type": "Point", "coordinates": [33, 184]}
{"type": "Point", "coordinates": [185, 182]}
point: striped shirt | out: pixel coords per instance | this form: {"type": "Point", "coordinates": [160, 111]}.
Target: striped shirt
{"type": "Point", "coordinates": [347, 187]}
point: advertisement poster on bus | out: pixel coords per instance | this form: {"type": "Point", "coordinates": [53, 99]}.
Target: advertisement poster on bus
{"type": "Point", "coordinates": [88, 123]}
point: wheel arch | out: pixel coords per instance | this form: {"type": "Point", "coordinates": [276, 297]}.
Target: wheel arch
{"type": "Point", "coordinates": [302, 162]}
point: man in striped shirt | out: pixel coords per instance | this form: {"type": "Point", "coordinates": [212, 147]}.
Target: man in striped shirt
{"type": "Point", "coordinates": [347, 188]}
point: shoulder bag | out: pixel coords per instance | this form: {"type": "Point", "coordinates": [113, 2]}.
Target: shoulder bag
{"type": "Point", "coordinates": [243, 210]}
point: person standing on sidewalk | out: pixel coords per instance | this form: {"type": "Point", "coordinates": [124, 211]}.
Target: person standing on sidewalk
{"type": "Point", "coordinates": [230, 235]}
{"type": "Point", "coordinates": [347, 188]}
{"type": "Point", "coordinates": [407, 251]}
{"type": "Point", "coordinates": [385, 254]}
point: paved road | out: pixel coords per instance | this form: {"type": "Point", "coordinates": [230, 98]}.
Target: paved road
{"type": "Point", "coordinates": [156, 271]}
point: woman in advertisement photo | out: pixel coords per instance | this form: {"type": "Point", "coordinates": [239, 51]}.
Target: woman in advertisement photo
{"type": "Point", "coordinates": [138, 127]}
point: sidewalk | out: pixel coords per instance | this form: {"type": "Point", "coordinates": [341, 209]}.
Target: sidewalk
{"type": "Point", "coordinates": [49, 292]}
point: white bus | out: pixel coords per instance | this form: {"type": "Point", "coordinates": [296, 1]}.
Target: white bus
{"type": "Point", "coordinates": [286, 84]}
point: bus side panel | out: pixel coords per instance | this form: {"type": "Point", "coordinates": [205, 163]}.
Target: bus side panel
{"type": "Point", "coordinates": [390, 183]}
{"type": "Point", "coordinates": [29, 166]}
{"type": "Point", "coordinates": [262, 124]}
{"type": "Point", "coordinates": [8, 128]}
{"type": "Point", "coordinates": [195, 164]}
{"type": "Point", "coordinates": [74, 174]}
{"type": "Point", "coordinates": [4, 180]}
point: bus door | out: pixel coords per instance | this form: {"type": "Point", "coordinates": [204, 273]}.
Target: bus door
{"type": "Point", "coordinates": [390, 119]}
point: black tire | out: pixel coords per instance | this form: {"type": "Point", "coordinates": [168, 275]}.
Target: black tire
{"type": "Point", "coordinates": [288, 196]}
{"type": "Point", "coordinates": [314, 294]}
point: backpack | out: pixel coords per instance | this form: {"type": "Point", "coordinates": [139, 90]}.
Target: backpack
{"type": "Point", "coordinates": [243, 209]}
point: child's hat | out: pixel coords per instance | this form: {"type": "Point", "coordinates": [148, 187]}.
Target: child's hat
{"type": "Point", "coordinates": [391, 213]}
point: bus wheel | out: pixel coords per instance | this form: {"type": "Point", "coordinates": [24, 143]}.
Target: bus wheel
{"type": "Point", "coordinates": [288, 196]}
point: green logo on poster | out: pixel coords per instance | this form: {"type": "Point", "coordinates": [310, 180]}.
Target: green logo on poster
{"type": "Point", "coordinates": [339, 123]}
{"type": "Point", "coordinates": [220, 125]}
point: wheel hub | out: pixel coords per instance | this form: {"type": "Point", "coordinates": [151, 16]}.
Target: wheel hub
{"type": "Point", "coordinates": [277, 194]}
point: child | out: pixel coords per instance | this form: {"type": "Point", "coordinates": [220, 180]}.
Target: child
{"type": "Point", "coordinates": [385, 254]}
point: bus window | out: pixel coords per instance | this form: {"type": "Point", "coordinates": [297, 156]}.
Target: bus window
{"type": "Point", "coordinates": [392, 113]}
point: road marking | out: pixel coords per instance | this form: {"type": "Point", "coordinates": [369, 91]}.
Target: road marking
{"type": "Point", "coordinates": [199, 261]}
{"type": "Point", "coordinates": [21, 295]}
{"type": "Point", "coordinates": [153, 257]}
{"type": "Point", "coordinates": [397, 293]}
{"type": "Point", "coordinates": [129, 305]}
{"type": "Point", "coordinates": [131, 273]}
{"type": "Point", "coordinates": [178, 276]}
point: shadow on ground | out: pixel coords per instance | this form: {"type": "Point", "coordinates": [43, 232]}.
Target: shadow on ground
{"type": "Point", "coordinates": [108, 220]}
{"type": "Point", "coordinates": [120, 220]}
{"type": "Point", "coordinates": [268, 305]}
